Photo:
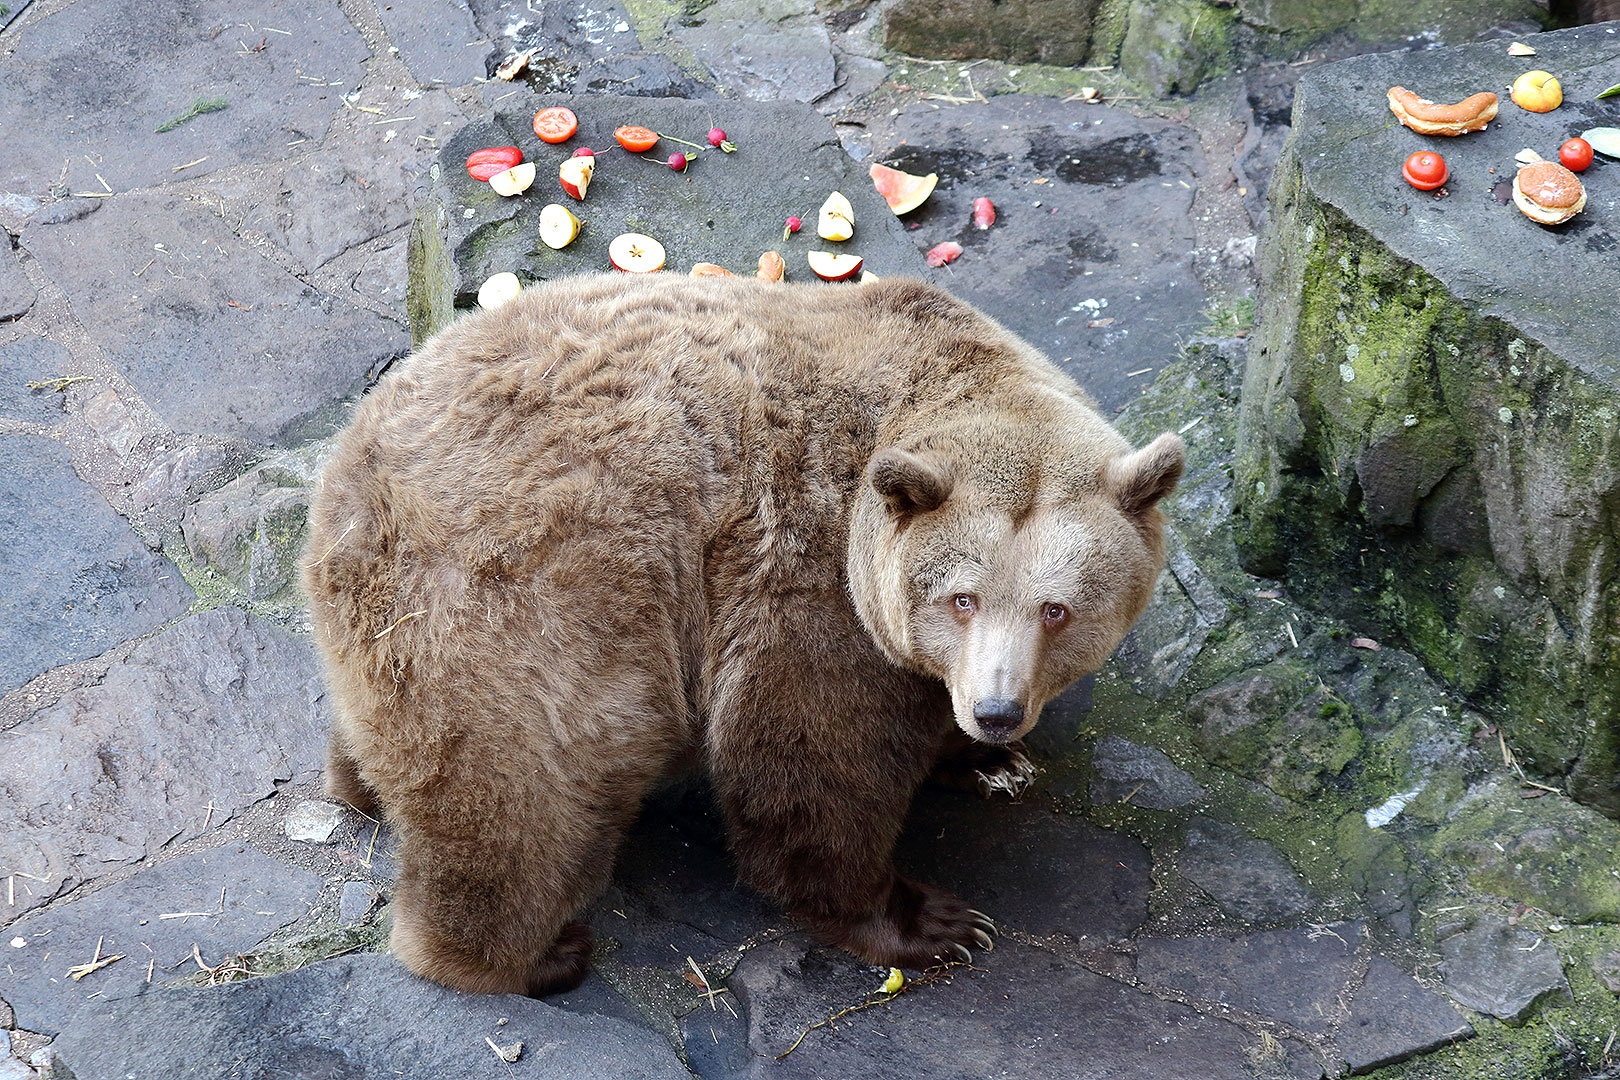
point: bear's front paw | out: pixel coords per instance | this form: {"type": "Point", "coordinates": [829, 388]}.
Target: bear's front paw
{"type": "Point", "coordinates": [974, 766]}
{"type": "Point", "coordinates": [1014, 775]}
{"type": "Point", "coordinates": [921, 927]}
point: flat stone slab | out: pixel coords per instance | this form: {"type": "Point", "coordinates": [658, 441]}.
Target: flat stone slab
{"type": "Point", "coordinates": [89, 86]}
{"type": "Point", "coordinates": [360, 1016]}
{"type": "Point", "coordinates": [1295, 976]}
{"type": "Point", "coordinates": [765, 50]}
{"type": "Point", "coordinates": [725, 209]}
{"type": "Point", "coordinates": [437, 40]}
{"type": "Point", "coordinates": [199, 722]}
{"type": "Point", "coordinates": [75, 580]}
{"type": "Point", "coordinates": [1501, 970]}
{"type": "Point", "coordinates": [1394, 1017]}
{"type": "Point", "coordinates": [1020, 1012]}
{"type": "Point", "coordinates": [1027, 867]}
{"type": "Point", "coordinates": [238, 896]}
{"type": "Point", "coordinates": [33, 360]}
{"type": "Point", "coordinates": [1555, 283]}
{"type": "Point", "coordinates": [1142, 775]}
{"type": "Point", "coordinates": [1245, 875]}
{"type": "Point", "coordinates": [1092, 267]}
{"type": "Point", "coordinates": [217, 338]}
{"type": "Point", "coordinates": [16, 291]}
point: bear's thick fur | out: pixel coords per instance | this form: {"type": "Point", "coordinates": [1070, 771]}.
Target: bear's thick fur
{"type": "Point", "coordinates": [622, 526]}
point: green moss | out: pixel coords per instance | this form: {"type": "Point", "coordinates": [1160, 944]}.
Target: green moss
{"type": "Point", "coordinates": [651, 19]}
{"type": "Point", "coordinates": [429, 291]}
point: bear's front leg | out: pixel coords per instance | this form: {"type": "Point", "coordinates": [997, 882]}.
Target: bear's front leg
{"type": "Point", "coordinates": [815, 777]}
{"type": "Point", "coordinates": [965, 764]}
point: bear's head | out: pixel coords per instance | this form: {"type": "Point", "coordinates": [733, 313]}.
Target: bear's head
{"type": "Point", "coordinates": [1008, 563]}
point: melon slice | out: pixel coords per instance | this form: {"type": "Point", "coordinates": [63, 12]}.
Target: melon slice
{"type": "Point", "coordinates": [902, 191]}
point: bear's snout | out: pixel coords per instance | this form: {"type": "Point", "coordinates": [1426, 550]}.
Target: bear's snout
{"type": "Point", "coordinates": [998, 718]}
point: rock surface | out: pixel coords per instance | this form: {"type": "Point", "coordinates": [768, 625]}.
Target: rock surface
{"type": "Point", "coordinates": [253, 529]}
{"type": "Point", "coordinates": [1245, 875]}
{"type": "Point", "coordinates": [1141, 775]}
{"type": "Point", "coordinates": [74, 579]}
{"type": "Point", "coordinates": [325, 1023]}
{"type": "Point", "coordinates": [16, 291]}
{"type": "Point", "coordinates": [1393, 1017]}
{"type": "Point", "coordinates": [223, 902]}
{"type": "Point", "coordinates": [1021, 31]}
{"type": "Point", "coordinates": [1501, 970]}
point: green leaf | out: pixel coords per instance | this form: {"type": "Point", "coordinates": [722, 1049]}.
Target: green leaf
{"type": "Point", "coordinates": [1604, 140]}
{"type": "Point", "coordinates": [1610, 92]}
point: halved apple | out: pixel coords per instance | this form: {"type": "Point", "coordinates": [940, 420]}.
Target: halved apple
{"type": "Point", "coordinates": [834, 265]}
{"type": "Point", "coordinates": [836, 221]}
{"type": "Point", "coordinates": [558, 226]}
{"type": "Point", "coordinates": [514, 181]}
{"type": "Point", "coordinates": [636, 253]}
{"type": "Point", "coordinates": [498, 289]}
{"type": "Point", "coordinates": [867, 275]}
{"type": "Point", "coordinates": [575, 174]}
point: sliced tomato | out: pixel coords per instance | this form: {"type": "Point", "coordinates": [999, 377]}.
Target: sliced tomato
{"type": "Point", "coordinates": [637, 140]}
{"type": "Point", "coordinates": [485, 163]}
{"type": "Point", "coordinates": [556, 124]}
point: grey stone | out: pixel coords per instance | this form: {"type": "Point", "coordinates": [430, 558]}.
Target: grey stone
{"type": "Point", "coordinates": [272, 367]}
{"type": "Point", "coordinates": [1122, 768]}
{"type": "Point", "coordinates": [111, 419]}
{"type": "Point", "coordinates": [1501, 970]}
{"type": "Point", "coordinates": [11, 10]}
{"type": "Point", "coordinates": [764, 50]}
{"type": "Point", "coordinates": [1020, 31]}
{"type": "Point", "coordinates": [1163, 49]}
{"type": "Point", "coordinates": [1607, 969]}
{"type": "Point", "coordinates": [32, 360]}
{"type": "Point", "coordinates": [199, 722]}
{"type": "Point", "coordinates": [1028, 1012]}
{"type": "Point", "coordinates": [74, 580]}
{"type": "Point", "coordinates": [728, 208]}
{"type": "Point", "coordinates": [1393, 1017]}
{"type": "Point", "coordinates": [16, 291]}
{"type": "Point", "coordinates": [175, 476]}
{"type": "Point", "coordinates": [381, 278]}
{"type": "Point", "coordinates": [89, 85]}
{"type": "Point", "coordinates": [638, 75]}
{"type": "Point", "coordinates": [13, 1069]}
{"type": "Point", "coordinates": [1295, 976]}
{"type": "Point", "coordinates": [1245, 875]}
{"type": "Point", "coordinates": [252, 531]}
{"type": "Point", "coordinates": [1108, 245]}
{"type": "Point", "coordinates": [361, 1015]}
{"type": "Point", "coordinates": [43, 1059]}
{"type": "Point", "coordinates": [1161, 648]}
{"type": "Point", "coordinates": [312, 821]}
{"type": "Point", "coordinates": [1027, 867]}
{"type": "Point", "coordinates": [357, 900]}
{"type": "Point", "coordinates": [15, 210]}
{"type": "Point", "coordinates": [437, 39]}
{"type": "Point", "coordinates": [239, 896]}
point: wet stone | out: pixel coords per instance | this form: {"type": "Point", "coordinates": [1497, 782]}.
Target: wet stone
{"type": "Point", "coordinates": [1027, 867]}
{"type": "Point", "coordinates": [237, 895]}
{"type": "Point", "coordinates": [89, 85]}
{"type": "Point", "coordinates": [1245, 875]}
{"type": "Point", "coordinates": [16, 291]}
{"type": "Point", "coordinates": [1393, 1017]}
{"type": "Point", "coordinates": [1146, 776]}
{"type": "Point", "coordinates": [359, 1015]}
{"type": "Point", "coordinates": [1501, 970]}
{"type": "Point", "coordinates": [32, 360]}
{"type": "Point", "coordinates": [217, 338]}
{"type": "Point", "coordinates": [199, 722]}
{"type": "Point", "coordinates": [1294, 976]}
{"type": "Point", "coordinates": [1098, 276]}
{"type": "Point", "coordinates": [74, 579]}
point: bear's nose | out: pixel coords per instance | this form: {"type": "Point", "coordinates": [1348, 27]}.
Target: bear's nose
{"type": "Point", "coordinates": [998, 717]}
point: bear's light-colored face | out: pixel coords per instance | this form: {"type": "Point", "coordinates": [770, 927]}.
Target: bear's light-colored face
{"type": "Point", "coordinates": [1004, 576]}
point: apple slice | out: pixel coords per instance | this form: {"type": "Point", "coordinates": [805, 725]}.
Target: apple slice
{"type": "Point", "coordinates": [575, 174]}
{"type": "Point", "coordinates": [558, 226]}
{"type": "Point", "coordinates": [514, 181]}
{"type": "Point", "coordinates": [636, 253]}
{"type": "Point", "coordinates": [867, 275]}
{"type": "Point", "coordinates": [498, 289]}
{"type": "Point", "coordinates": [834, 265]}
{"type": "Point", "coordinates": [837, 218]}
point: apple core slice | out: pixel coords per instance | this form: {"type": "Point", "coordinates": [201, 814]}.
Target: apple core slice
{"type": "Point", "coordinates": [513, 181]}
{"type": "Point", "coordinates": [498, 289]}
{"type": "Point", "coordinates": [636, 253]}
{"type": "Point", "coordinates": [558, 226]}
{"type": "Point", "coordinates": [834, 265]}
{"type": "Point", "coordinates": [575, 174]}
{"type": "Point", "coordinates": [836, 221]}
{"type": "Point", "coordinates": [903, 191]}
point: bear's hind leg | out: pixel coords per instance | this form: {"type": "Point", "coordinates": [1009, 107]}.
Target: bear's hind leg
{"type": "Point", "coordinates": [343, 780]}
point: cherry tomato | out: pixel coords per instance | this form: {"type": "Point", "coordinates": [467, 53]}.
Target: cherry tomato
{"type": "Point", "coordinates": [1425, 170]}
{"type": "Point", "coordinates": [1575, 155]}
{"type": "Point", "coordinates": [485, 163]}
{"type": "Point", "coordinates": [556, 124]}
{"type": "Point", "coordinates": [636, 139]}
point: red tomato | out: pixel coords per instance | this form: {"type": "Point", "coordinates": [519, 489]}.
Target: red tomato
{"type": "Point", "coordinates": [1575, 155]}
{"type": "Point", "coordinates": [485, 163]}
{"type": "Point", "coordinates": [1425, 170]}
{"type": "Point", "coordinates": [637, 140]}
{"type": "Point", "coordinates": [556, 124]}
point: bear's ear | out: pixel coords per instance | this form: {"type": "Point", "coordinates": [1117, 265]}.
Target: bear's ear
{"type": "Point", "coordinates": [1141, 479]}
{"type": "Point", "coordinates": [910, 483]}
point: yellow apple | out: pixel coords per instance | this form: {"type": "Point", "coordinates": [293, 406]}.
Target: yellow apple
{"type": "Point", "coordinates": [1537, 91]}
{"type": "Point", "coordinates": [837, 218]}
{"type": "Point", "coordinates": [558, 226]}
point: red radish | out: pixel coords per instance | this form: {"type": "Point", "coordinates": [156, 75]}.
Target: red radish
{"type": "Point", "coordinates": [485, 163]}
{"type": "Point", "coordinates": [984, 212]}
{"type": "Point", "coordinates": [793, 225]}
{"type": "Point", "coordinates": [717, 138]}
{"type": "Point", "coordinates": [677, 161]}
{"type": "Point", "coordinates": [940, 254]}
{"type": "Point", "coordinates": [584, 151]}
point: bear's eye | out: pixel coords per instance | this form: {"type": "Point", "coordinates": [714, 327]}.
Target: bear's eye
{"type": "Point", "coordinates": [965, 603]}
{"type": "Point", "coordinates": [1054, 615]}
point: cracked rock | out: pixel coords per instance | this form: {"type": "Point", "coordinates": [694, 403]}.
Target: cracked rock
{"type": "Point", "coordinates": [1501, 970]}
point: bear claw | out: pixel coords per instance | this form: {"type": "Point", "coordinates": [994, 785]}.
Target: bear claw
{"type": "Point", "coordinates": [983, 920]}
{"type": "Point", "coordinates": [1014, 777]}
{"type": "Point", "coordinates": [984, 940]}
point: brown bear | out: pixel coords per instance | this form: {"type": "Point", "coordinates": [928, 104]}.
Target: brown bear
{"type": "Point", "coordinates": [789, 533]}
